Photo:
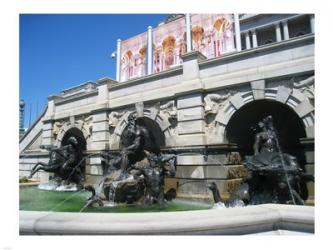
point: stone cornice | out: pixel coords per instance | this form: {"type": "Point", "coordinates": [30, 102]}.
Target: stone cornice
{"type": "Point", "coordinates": [106, 80]}
{"type": "Point", "coordinates": [177, 70]}
{"type": "Point", "coordinates": [62, 100]}
{"type": "Point", "coordinates": [88, 84]}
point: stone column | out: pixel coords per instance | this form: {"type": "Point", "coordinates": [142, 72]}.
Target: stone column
{"type": "Point", "coordinates": [254, 39]}
{"type": "Point", "coordinates": [312, 23]}
{"type": "Point", "coordinates": [118, 60]}
{"type": "Point", "coordinates": [150, 51]}
{"type": "Point", "coordinates": [285, 30]}
{"type": "Point", "coordinates": [247, 40]}
{"type": "Point", "coordinates": [188, 32]}
{"type": "Point", "coordinates": [237, 33]}
{"type": "Point", "coordinates": [278, 32]}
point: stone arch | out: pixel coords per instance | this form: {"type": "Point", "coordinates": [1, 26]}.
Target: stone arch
{"type": "Point", "coordinates": [289, 126]}
{"type": "Point", "coordinates": [153, 114]}
{"type": "Point", "coordinates": [75, 132]}
{"type": "Point", "coordinates": [294, 98]}
{"type": "Point", "coordinates": [80, 125]}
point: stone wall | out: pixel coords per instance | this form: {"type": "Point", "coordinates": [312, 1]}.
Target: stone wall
{"type": "Point", "coordinates": [27, 162]}
{"type": "Point", "coordinates": [191, 104]}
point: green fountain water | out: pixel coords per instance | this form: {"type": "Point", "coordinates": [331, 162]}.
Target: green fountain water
{"type": "Point", "coordinates": [34, 199]}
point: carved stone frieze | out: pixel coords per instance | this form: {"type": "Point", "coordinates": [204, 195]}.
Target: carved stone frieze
{"type": "Point", "coordinates": [114, 118]}
{"type": "Point", "coordinates": [306, 86]}
{"type": "Point", "coordinates": [56, 128]}
{"type": "Point", "coordinates": [214, 102]}
{"type": "Point", "coordinates": [88, 124]}
{"type": "Point", "coordinates": [169, 109]}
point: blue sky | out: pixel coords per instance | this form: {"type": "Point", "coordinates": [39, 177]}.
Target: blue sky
{"type": "Point", "coordinates": [58, 51]}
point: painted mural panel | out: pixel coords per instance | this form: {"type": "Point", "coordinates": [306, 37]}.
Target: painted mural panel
{"type": "Point", "coordinates": [212, 34]}
{"type": "Point", "coordinates": [169, 42]}
{"type": "Point", "coordinates": [133, 57]}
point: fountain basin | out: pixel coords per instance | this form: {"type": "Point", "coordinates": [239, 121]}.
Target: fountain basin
{"type": "Point", "coordinates": [34, 199]}
{"type": "Point", "coordinates": [258, 219]}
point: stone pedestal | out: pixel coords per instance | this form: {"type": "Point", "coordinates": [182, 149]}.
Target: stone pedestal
{"type": "Point", "coordinates": [195, 170]}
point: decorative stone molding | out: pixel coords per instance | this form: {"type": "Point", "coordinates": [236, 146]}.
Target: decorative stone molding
{"type": "Point", "coordinates": [114, 118]}
{"type": "Point", "coordinates": [88, 124]}
{"type": "Point", "coordinates": [215, 105]}
{"type": "Point", "coordinates": [306, 86]}
{"type": "Point", "coordinates": [56, 128]}
{"type": "Point", "coordinates": [164, 115]}
{"type": "Point", "coordinates": [299, 97]}
{"type": "Point", "coordinates": [84, 124]}
{"type": "Point", "coordinates": [214, 102]}
{"type": "Point", "coordinates": [83, 88]}
{"type": "Point", "coordinates": [169, 109]}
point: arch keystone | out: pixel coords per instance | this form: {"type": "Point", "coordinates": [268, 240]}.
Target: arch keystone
{"type": "Point", "coordinates": [258, 89]}
{"type": "Point", "coordinates": [237, 100]}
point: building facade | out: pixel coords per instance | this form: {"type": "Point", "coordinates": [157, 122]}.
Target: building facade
{"type": "Point", "coordinates": [201, 108]}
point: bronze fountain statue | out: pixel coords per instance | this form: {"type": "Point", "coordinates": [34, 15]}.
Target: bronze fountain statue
{"type": "Point", "coordinates": [275, 176]}
{"type": "Point", "coordinates": [137, 172]}
{"type": "Point", "coordinates": [66, 162]}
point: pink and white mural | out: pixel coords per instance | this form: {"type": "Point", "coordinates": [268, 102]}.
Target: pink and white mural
{"type": "Point", "coordinates": [212, 34]}
{"type": "Point", "coordinates": [133, 57]}
{"type": "Point", "coordinates": [169, 42]}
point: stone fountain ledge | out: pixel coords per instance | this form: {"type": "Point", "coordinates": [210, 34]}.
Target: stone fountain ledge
{"type": "Point", "coordinates": [259, 219]}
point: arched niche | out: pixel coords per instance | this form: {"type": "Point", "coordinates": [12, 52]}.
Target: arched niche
{"type": "Point", "coordinates": [288, 125]}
